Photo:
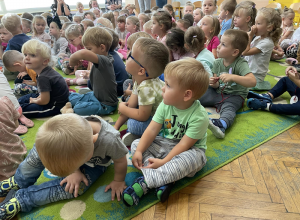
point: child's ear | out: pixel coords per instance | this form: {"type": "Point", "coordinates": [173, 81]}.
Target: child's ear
{"type": "Point", "coordinates": [235, 52]}
{"type": "Point", "coordinates": [17, 64]}
{"type": "Point", "coordinates": [270, 27]}
{"type": "Point", "coordinates": [45, 62]}
{"type": "Point", "coordinates": [248, 19]}
{"type": "Point", "coordinates": [188, 94]}
{"type": "Point", "coordinates": [161, 26]}
{"type": "Point", "coordinates": [80, 37]}
{"type": "Point", "coordinates": [102, 47]}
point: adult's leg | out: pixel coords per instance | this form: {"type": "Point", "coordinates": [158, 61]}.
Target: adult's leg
{"type": "Point", "coordinates": [147, 4]}
{"type": "Point", "coordinates": [142, 6]}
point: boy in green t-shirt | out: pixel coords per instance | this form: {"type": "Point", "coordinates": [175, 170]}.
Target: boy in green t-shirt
{"type": "Point", "coordinates": [181, 150]}
{"type": "Point", "coordinates": [231, 79]}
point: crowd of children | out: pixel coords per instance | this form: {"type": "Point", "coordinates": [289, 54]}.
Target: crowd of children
{"type": "Point", "coordinates": [173, 69]}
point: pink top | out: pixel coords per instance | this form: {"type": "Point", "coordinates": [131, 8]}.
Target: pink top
{"type": "Point", "coordinates": [12, 148]}
{"type": "Point", "coordinates": [125, 46]}
{"type": "Point", "coordinates": [213, 43]}
{"type": "Point", "coordinates": [163, 40]}
{"type": "Point", "coordinates": [4, 45]}
{"type": "Point", "coordinates": [177, 56]}
{"type": "Point", "coordinates": [44, 36]}
{"type": "Point", "coordinates": [73, 49]}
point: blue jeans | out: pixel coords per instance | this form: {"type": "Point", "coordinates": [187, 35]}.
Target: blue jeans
{"type": "Point", "coordinates": [37, 111]}
{"type": "Point", "coordinates": [285, 85]}
{"type": "Point", "coordinates": [138, 127]}
{"type": "Point", "coordinates": [30, 196]}
{"type": "Point", "coordinates": [88, 104]}
{"type": "Point", "coordinates": [161, 3]}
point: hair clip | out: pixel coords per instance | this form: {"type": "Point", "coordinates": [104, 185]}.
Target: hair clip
{"type": "Point", "coordinates": [99, 24]}
{"type": "Point", "coordinates": [254, 6]}
{"type": "Point", "coordinates": [194, 36]}
{"type": "Point", "coordinates": [55, 19]}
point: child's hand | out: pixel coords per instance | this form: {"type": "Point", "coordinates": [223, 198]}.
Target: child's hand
{"type": "Point", "coordinates": [291, 47]}
{"type": "Point", "coordinates": [27, 82]}
{"type": "Point", "coordinates": [253, 30]}
{"type": "Point", "coordinates": [137, 160]}
{"type": "Point", "coordinates": [117, 188]}
{"type": "Point", "coordinates": [128, 91]}
{"type": "Point", "coordinates": [213, 80]}
{"type": "Point", "coordinates": [122, 106]}
{"type": "Point", "coordinates": [226, 77]}
{"type": "Point", "coordinates": [32, 100]}
{"type": "Point", "coordinates": [73, 182]}
{"type": "Point", "coordinates": [155, 163]}
{"type": "Point", "coordinates": [291, 72]}
{"type": "Point", "coordinates": [21, 75]}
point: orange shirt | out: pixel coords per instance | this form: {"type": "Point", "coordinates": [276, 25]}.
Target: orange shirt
{"type": "Point", "coordinates": [32, 74]}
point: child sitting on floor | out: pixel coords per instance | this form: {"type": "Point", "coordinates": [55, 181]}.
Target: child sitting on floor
{"type": "Point", "coordinates": [230, 82]}
{"type": "Point", "coordinates": [25, 82]}
{"type": "Point", "coordinates": [39, 24]}
{"type": "Point", "coordinates": [258, 53]}
{"type": "Point", "coordinates": [104, 98]}
{"type": "Point", "coordinates": [121, 30]}
{"type": "Point", "coordinates": [53, 90]}
{"type": "Point", "coordinates": [180, 149]}
{"type": "Point", "coordinates": [145, 62]}
{"type": "Point", "coordinates": [289, 84]}
{"type": "Point", "coordinates": [79, 158]}
{"type": "Point", "coordinates": [13, 149]}
{"type": "Point", "coordinates": [147, 28]}
{"type": "Point", "coordinates": [227, 9]}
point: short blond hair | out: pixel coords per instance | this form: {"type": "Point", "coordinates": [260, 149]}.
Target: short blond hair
{"type": "Point", "coordinates": [190, 74]}
{"type": "Point", "coordinates": [88, 22]}
{"type": "Point", "coordinates": [11, 22]}
{"type": "Point", "coordinates": [97, 36]}
{"type": "Point", "coordinates": [132, 6]}
{"type": "Point", "coordinates": [79, 17]}
{"type": "Point", "coordinates": [27, 23]}
{"type": "Point", "coordinates": [104, 22]}
{"type": "Point", "coordinates": [61, 143]}
{"type": "Point", "coordinates": [11, 57]}
{"type": "Point", "coordinates": [78, 4]}
{"type": "Point", "coordinates": [155, 55]}
{"type": "Point", "coordinates": [148, 25]}
{"type": "Point", "coordinates": [133, 37]}
{"type": "Point", "coordinates": [64, 19]}
{"type": "Point", "coordinates": [34, 46]}
{"type": "Point", "coordinates": [74, 30]}
{"type": "Point", "coordinates": [36, 19]}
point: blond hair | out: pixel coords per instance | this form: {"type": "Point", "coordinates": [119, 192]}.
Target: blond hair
{"type": "Point", "coordinates": [36, 19]}
{"type": "Point", "coordinates": [74, 30]}
{"type": "Point", "coordinates": [97, 36]}
{"type": "Point", "coordinates": [88, 22]}
{"type": "Point", "coordinates": [132, 6]}
{"type": "Point", "coordinates": [194, 37]}
{"type": "Point", "coordinates": [133, 37]}
{"type": "Point", "coordinates": [64, 19]}
{"type": "Point", "coordinates": [135, 21]}
{"type": "Point", "coordinates": [190, 74]}
{"type": "Point", "coordinates": [145, 17]}
{"type": "Point", "coordinates": [35, 46]}
{"type": "Point", "coordinates": [147, 25]}
{"type": "Point", "coordinates": [229, 5]}
{"type": "Point", "coordinates": [46, 14]}
{"type": "Point", "coordinates": [110, 16]}
{"type": "Point", "coordinates": [27, 15]}
{"type": "Point", "coordinates": [287, 11]}
{"type": "Point", "coordinates": [215, 26]}
{"type": "Point", "coordinates": [104, 22]}
{"type": "Point", "coordinates": [79, 17]}
{"type": "Point", "coordinates": [78, 4]}
{"type": "Point", "coordinates": [273, 18]}
{"type": "Point", "coordinates": [61, 143]}
{"type": "Point", "coordinates": [188, 3]}
{"type": "Point", "coordinates": [11, 22]}
{"type": "Point", "coordinates": [91, 1]}
{"type": "Point", "coordinates": [155, 55]}
{"type": "Point", "coordinates": [124, 12]}
{"type": "Point", "coordinates": [11, 57]}
{"type": "Point", "coordinates": [247, 8]}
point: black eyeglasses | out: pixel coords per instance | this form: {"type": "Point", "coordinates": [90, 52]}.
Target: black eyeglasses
{"type": "Point", "coordinates": [129, 55]}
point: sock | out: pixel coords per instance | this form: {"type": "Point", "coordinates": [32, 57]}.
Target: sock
{"type": "Point", "coordinates": [158, 194]}
{"type": "Point", "coordinates": [223, 123]}
{"type": "Point", "coordinates": [268, 106]}
{"type": "Point", "coordinates": [139, 188]}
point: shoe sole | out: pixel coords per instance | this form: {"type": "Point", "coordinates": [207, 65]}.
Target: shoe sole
{"type": "Point", "coordinates": [129, 138]}
{"type": "Point", "coordinates": [256, 96]}
{"type": "Point", "coordinates": [216, 130]}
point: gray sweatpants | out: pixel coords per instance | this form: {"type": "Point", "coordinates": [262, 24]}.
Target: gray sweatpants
{"type": "Point", "coordinates": [228, 108]}
{"type": "Point", "coordinates": [188, 163]}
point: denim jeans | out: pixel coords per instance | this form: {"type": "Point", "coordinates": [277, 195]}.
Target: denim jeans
{"type": "Point", "coordinates": [88, 104]}
{"type": "Point", "coordinates": [30, 196]}
{"type": "Point", "coordinates": [138, 127]}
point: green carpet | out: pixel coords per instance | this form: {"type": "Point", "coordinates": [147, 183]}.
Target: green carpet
{"type": "Point", "coordinates": [251, 129]}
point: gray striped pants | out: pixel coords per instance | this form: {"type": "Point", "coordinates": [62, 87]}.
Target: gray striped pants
{"type": "Point", "coordinates": [188, 163]}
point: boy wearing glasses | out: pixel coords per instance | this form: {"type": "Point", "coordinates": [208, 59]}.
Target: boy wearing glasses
{"type": "Point", "coordinates": [146, 62]}
{"type": "Point", "coordinates": [103, 99]}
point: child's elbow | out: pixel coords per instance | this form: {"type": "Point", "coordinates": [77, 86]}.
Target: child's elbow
{"type": "Point", "coordinates": [252, 81]}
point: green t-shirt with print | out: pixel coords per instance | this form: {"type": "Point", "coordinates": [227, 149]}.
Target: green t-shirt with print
{"type": "Point", "coordinates": [149, 93]}
{"type": "Point", "coordinates": [238, 67]}
{"type": "Point", "coordinates": [192, 122]}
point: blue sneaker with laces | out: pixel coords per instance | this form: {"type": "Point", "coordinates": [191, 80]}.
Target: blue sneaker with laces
{"type": "Point", "coordinates": [255, 95]}
{"type": "Point", "coordinates": [256, 104]}
{"type": "Point", "coordinates": [216, 127]}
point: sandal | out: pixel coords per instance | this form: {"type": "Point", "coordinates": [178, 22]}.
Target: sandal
{"type": "Point", "coordinates": [166, 190]}
{"type": "Point", "coordinates": [21, 130]}
{"type": "Point", "coordinates": [25, 121]}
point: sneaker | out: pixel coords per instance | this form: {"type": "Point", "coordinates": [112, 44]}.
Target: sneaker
{"type": "Point", "coordinates": [7, 185]}
{"type": "Point", "coordinates": [291, 61]}
{"type": "Point", "coordinates": [128, 138]}
{"type": "Point", "coordinates": [216, 128]}
{"type": "Point", "coordinates": [9, 208]}
{"type": "Point", "coordinates": [163, 192]}
{"type": "Point", "coordinates": [264, 96]}
{"type": "Point", "coordinates": [256, 104]}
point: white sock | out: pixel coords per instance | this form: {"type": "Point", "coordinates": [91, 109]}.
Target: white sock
{"type": "Point", "coordinates": [268, 107]}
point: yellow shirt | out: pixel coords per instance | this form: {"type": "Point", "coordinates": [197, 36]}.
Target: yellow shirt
{"type": "Point", "coordinates": [32, 74]}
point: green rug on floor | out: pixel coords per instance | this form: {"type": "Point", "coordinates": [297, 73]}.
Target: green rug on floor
{"type": "Point", "coordinates": [251, 129]}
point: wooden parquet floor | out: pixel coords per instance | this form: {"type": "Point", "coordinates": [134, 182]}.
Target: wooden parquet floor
{"type": "Point", "coordinates": [262, 184]}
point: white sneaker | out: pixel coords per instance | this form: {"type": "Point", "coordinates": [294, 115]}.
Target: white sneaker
{"type": "Point", "coordinates": [128, 138]}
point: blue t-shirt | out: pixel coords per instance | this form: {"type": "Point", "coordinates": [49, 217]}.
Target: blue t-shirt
{"type": "Point", "coordinates": [225, 25]}
{"type": "Point", "coordinates": [17, 42]}
{"type": "Point", "coordinates": [120, 72]}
